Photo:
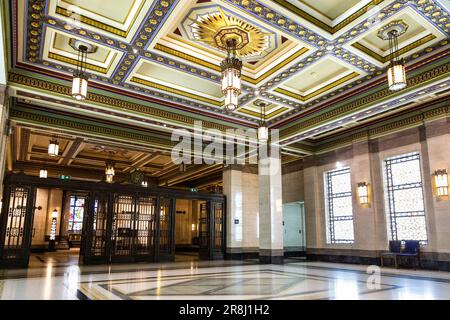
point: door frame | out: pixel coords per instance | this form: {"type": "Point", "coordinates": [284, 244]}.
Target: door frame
{"type": "Point", "coordinates": [22, 260]}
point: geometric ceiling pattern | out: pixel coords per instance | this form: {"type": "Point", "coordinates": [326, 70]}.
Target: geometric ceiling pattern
{"type": "Point", "coordinates": [320, 68]}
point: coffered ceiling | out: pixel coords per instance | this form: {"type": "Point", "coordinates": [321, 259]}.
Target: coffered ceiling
{"type": "Point", "coordinates": [85, 158]}
{"type": "Point", "coordinates": [320, 65]}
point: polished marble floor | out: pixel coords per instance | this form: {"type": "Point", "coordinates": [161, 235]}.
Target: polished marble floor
{"type": "Point", "coordinates": [57, 276]}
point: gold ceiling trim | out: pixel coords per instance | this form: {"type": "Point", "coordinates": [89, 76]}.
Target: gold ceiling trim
{"type": "Point", "coordinates": [257, 114]}
{"type": "Point", "coordinates": [74, 62]}
{"type": "Point", "coordinates": [287, 5]}
{"type": "Point", "coordinates": [100, 25]}
{"type": "Point", "coordinates": [175, 91]}
{"type": "Point", "coordinates": [60, 89]}
{"type": "Point", "coordinates": [214, 67]}
{"type": "Point", "coordinates": [187, 57]}
{"type": "Point", "coordinates": [319, 91]}
{"type": "Point", "coordinates": [401, 51]}
{"type": "Point", "coordinates": [216, 28]}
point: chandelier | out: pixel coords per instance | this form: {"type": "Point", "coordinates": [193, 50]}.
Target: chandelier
{"type": "Point", "coordinates": [53, 148]}
{"type": "Point", "coordinates": [109, 171]}
{"type": "Point", "coordinates": [231, 76]}
{"type": "Point", "coordinates": [80, 78]}
{"type": "Point", "coordinates": [263, 130]}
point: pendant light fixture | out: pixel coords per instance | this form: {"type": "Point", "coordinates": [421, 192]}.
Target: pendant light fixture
{"type": "Point", "coordinates": [263, 130]}
{"type": "Point", "coordinates": [53, 148]}
{"type": "Point", "coordinates": [396, 73]}
{"type": "Point", "coordinates": [231, 76]}
{"type": "Point", "coordinates": [43, 174]}
{"type": "Point", "coordinates": [80, 78]}
{"type": "Point", "coordinates": [109, 170]}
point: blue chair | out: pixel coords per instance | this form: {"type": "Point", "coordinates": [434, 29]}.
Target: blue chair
{"type": "Point", "coordinates": [395, 248]}
{"type": "Point", "coordinates": [411, 251]}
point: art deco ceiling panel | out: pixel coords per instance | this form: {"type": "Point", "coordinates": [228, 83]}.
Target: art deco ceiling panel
{"type": "Point", "coordinates": [317, 65]}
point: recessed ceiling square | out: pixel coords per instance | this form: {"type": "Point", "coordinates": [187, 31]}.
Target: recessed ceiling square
{"type": "Point", "coordinates": [419, 33]}
{"type": "Point", "coordinates": [331, 9]}
{"type": "Point", "coordinates": [325, 75]}
{"type": "Point", "coordinates": [155, 76]}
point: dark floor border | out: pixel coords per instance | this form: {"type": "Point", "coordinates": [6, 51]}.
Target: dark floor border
{"type": "Point", "coordinates": [82, 296]}
{"type": "Point", "coordinates": [255, 255]}
{"type": "Point", "coordinates": [426, 264]}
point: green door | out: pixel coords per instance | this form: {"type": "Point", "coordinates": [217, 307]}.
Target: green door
{"type": "Point", "coordinates": [294, 227]}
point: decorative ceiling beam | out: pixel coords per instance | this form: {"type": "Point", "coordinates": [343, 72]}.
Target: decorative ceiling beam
{"type": "Point", "coordinates": [71, 152]}
{"type": "Point", "coordinates": [195, 173]}
{"type": "Point", "coordinates": [24, 144]}
{"type": "Point", "coordinates": [142, 161]}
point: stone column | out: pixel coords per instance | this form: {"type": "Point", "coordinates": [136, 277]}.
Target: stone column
{"type": "Point", "coordinates": [270, 211]}
{"type": "Point", "coordinates": [3, 133]}
{"type": "Point", "coordinates": [232, 189]}
{"type": "Point", "coordinates": [314, 220]}
{"type": "Point", "coordinates": [240, 185]}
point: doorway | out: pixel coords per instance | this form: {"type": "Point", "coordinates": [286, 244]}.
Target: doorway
{"type": "Point", "coordinates": [187, 222]}
{"type": "Point", "coordinates": [62, 213]}
{"type": "Point", "coordinates": [294, 240]}
{"type": "Point", "coordinates": [199, 230]}
{"type": "Point", "coordinates": [119, 223]}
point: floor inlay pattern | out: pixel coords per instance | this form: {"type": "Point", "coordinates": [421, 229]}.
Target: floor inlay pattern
{"type": "Point", "coordinates": [258, 284]}
{"type": "Point", "coordinates": [202, 280]}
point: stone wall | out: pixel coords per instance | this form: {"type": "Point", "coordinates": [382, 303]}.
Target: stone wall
{"type": "Point", "coordinates": [365, 159]}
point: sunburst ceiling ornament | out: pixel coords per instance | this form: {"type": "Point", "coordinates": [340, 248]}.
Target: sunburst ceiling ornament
{"type": "Point", "coordinates": [216, 28]}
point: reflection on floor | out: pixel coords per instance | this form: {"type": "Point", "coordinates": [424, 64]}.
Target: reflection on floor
{"type": "Point", "coordinates": [65, 258]}
{"type": "Point", "coordinates": [220, 280]}
{"type": "Point", "coordinates": [61, 258]}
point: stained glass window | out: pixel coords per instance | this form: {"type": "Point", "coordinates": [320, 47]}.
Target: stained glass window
{"type": "Point", "coordinates": [76, 212]}
{"type": "Point", "coordinates": [404, 201]}
{"type": "Point", "coordinates": [338, 204]}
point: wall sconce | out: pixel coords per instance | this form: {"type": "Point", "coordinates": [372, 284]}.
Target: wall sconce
{"type": "Point", "coordinates": [363, 193]}
{"type": "Point", "coordinates": [441, 182]}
